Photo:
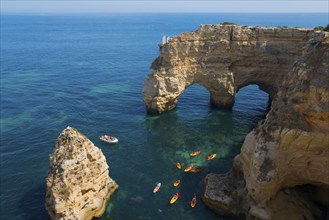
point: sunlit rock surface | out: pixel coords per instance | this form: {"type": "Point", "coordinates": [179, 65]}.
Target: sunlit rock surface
{"type": "Point", "coordinates": [78, 182]}
{"type": "Point", "coordinates": [285, 159]}
{"type": "Point", "coordinates": [223, 59]}
{"type": "Point", "coordinates": [289, 148]}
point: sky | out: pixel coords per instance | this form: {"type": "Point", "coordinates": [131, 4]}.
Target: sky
{"type": "Point", "coordinates": [122, 6]}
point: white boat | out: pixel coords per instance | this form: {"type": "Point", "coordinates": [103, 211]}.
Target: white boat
{"type": "Point", "coordinates": [164, 40]}
{"type": "Point", "coordinates": [109, 139]}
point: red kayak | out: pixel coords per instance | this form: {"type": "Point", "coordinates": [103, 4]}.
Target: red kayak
{"type": "Point", "coordinates": [189, 168]}
{"type": "Point", "coordinates": [157, 187]}
{"type": "Point", "coordinates": [197, 169]}
{"type": "Point", "coordinates": [210, 157]}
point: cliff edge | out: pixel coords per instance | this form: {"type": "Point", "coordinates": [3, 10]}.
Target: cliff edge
{"type": "Point", "coordinates": [223, 59]}
{"type": "Point", "coordinates": [78, 182]}
{"type": "Point", "coordinates": [282, 169]}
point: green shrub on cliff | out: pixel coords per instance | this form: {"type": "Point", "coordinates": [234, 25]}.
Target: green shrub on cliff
{"type": "Point", "coordinates": [326, 28]}
{"type": "Point", "coordinates": [228, 23]}
{"type": "Point", "coordinates": [321, 28]}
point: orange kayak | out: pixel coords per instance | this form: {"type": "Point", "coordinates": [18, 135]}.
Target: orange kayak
{"type": "Point", "coordinates": [174, 198]}
{"type": "Point", "coordinates": [177, 182]}
{"type": "Point", "coordinates": [195, 153]}
{"type": "Point", "coordinates": [178, 165]}
{"type": "Point", "coordinates": [210, 157]}
{"type": "Point", "coordinates": [193, 201]}
{"type": "Point", "coordinates": [197, 169]}
{"type": "Point", "coordinates": [189, 168]}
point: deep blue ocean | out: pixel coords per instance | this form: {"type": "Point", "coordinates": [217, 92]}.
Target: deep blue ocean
{"type": "Point", "coordinates": [87, 71]}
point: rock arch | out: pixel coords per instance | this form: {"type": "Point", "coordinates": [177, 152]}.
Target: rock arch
{"type": "Point", "coordinates": [223, 59]}
{"type": "Point", "coordinates": [288, 148]}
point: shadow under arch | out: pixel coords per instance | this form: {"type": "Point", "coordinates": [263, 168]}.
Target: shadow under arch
{"type": "Point", "coordinates": [195, 123]}
{"type": "Point", "coordinates": [179, 127]}
{"type": "Point", "coordinates": [195, 95]}
{"type": "Point", "coordinates": [264, 87]}
{"type": "Point", "coordinates": [252, 103]}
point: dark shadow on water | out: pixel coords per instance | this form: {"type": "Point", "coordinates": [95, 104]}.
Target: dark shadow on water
{"type": "Point", "coordinates": [32, 204]}
{"type": "Point", "coordinates": [197, 125]}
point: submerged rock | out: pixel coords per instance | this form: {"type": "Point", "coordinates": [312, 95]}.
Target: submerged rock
{"type": "Point", "coordinates": [78, 182]}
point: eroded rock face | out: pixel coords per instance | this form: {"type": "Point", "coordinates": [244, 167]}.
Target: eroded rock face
{"type": "Point", "coordinates": [78, 182]}
{"type": "Point", "coordinates": [291, 146]}
{"type": "Point", "coordinates": [223, 59]}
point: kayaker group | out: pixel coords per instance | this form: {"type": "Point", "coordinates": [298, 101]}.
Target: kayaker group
{"type": "Point", "coordinates": [190, 168]}
{"type": "Point", "coordinates": [176, 195]}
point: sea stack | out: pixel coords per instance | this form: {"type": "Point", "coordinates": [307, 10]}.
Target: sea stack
{"type": "Point", "coordinates": [282, 169]}
{"type": "Point", "coordinates": [78, 182]}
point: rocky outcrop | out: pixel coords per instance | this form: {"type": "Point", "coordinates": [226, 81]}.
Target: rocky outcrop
{"type": "Point", "coordinates": [291, 147]}
{"type": "Point", "coordinates": [285, 159]}
{"type": "Point", "coordinates": [78, 182]}
{"type": "Point", "coordinates": [223, 59]}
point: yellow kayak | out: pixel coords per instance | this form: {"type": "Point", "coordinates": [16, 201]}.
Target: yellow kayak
{"type": "Point", "coordinates": [177, 182]}
{"type": "Point", "coordinates": [193, 201]}
{"type": "Point", "coordinates": [210, 157]}
{"type": "Point", "coordinates": [195, 153]}
{"type": "Point", "coordinates": [174, 198]}
{"type": "Point", "coordinates": [189, 168]}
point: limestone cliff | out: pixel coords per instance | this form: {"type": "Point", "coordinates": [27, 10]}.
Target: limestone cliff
{"type": "Point", "coordinates": [284, 161]}
{"type": "Point", "coordinates": [78, 182]}
{"type": "Point", "coordinates": [290, 148]}
{"type": "Point", "coordinates": [223, 59]}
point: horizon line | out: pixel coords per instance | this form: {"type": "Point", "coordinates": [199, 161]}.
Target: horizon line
{"type": "Point", "coordinates": [162, 12]}
{"type": "Point", "coordinates": [163, 6]}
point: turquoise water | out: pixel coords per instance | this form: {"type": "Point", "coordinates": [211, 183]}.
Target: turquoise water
{"type": "Point", "coordinates": [87, 71]}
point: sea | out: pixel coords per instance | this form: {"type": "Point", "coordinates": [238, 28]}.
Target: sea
{"type": "Point", "coordinates": [87, 71]}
